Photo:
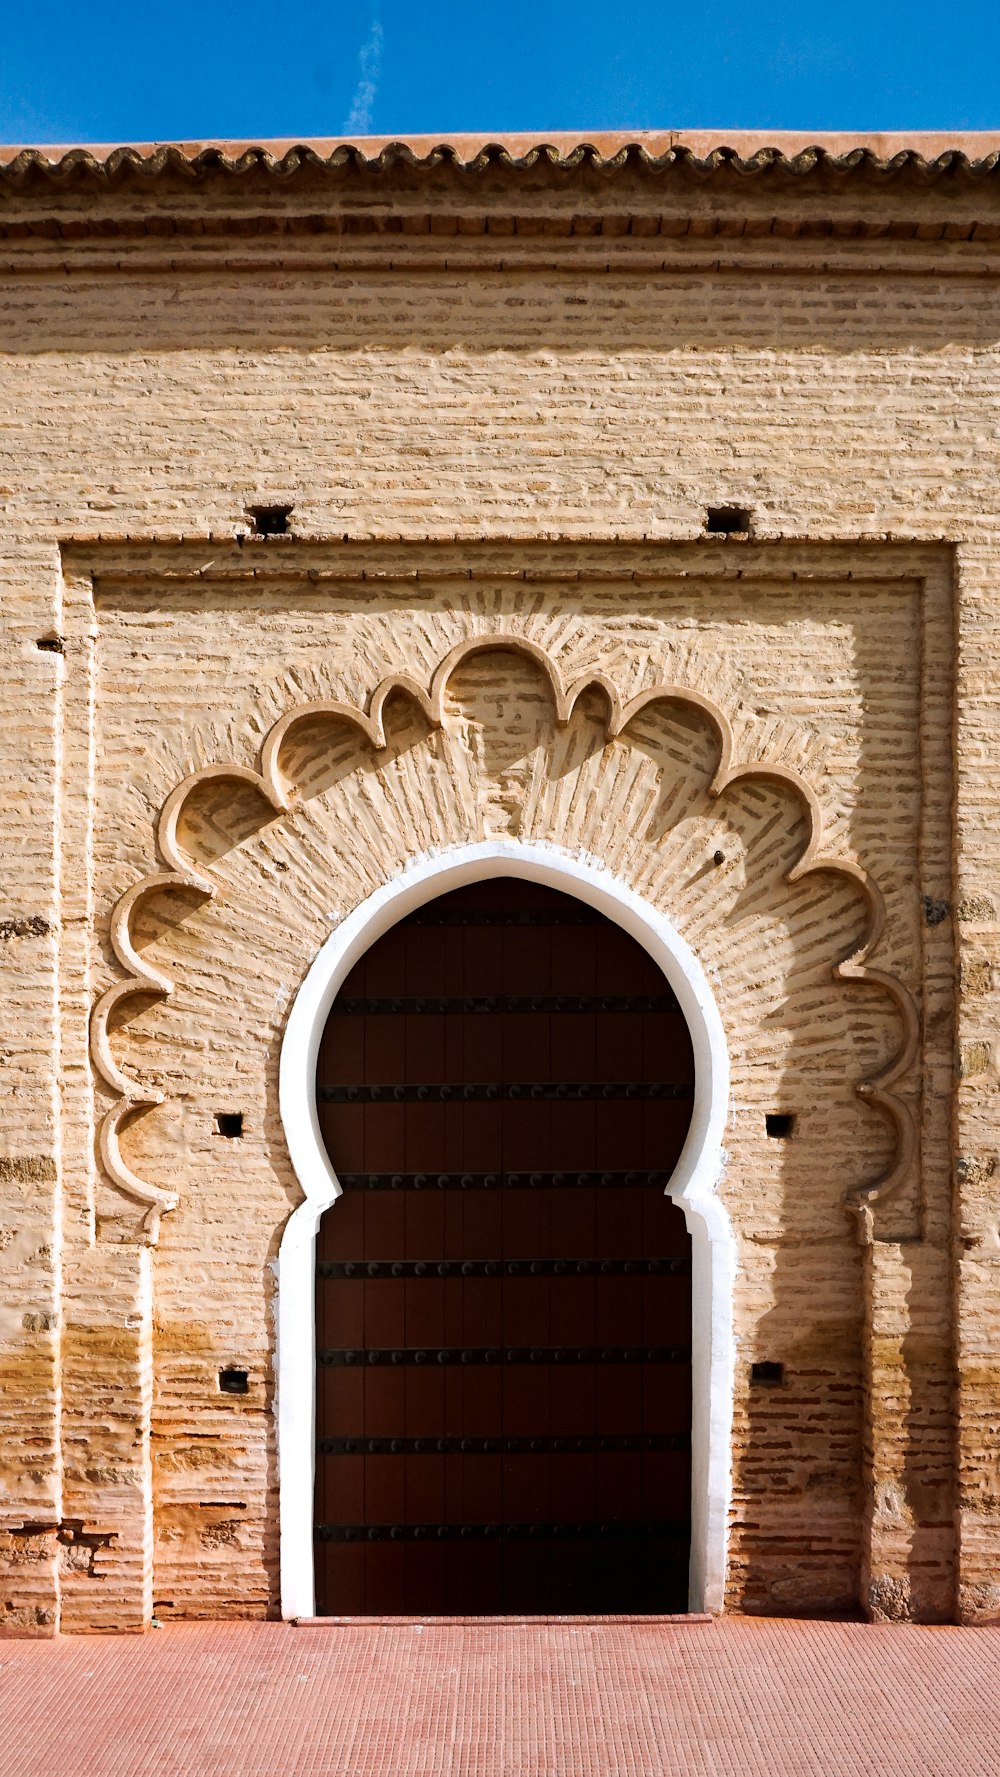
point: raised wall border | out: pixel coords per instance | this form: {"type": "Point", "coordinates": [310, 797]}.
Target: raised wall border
{"type": "Point", "coordinates": [102, 564]}
{"type": "Point", "coordinates": [109, 562]}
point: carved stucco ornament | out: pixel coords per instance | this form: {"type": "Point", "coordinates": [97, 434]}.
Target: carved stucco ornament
{"type": "Point", "coordinates": [184, 873]}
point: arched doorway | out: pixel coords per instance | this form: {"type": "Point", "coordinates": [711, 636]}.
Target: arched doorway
{"type": "Point", "coordinates": [503, 1334]}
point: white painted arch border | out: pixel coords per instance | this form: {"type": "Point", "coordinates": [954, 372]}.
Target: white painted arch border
{"type": "Point", "coordinates": [693, 1185]}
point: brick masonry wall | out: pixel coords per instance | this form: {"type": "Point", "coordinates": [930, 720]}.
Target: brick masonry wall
{"type": "Point", "coordinates": [452, 421]}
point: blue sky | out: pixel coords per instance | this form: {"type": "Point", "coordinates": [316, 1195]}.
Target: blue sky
{"type": "Point", "coordinates": [78, 70]}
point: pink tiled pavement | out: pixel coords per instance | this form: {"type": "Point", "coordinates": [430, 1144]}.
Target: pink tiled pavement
{"type": "Point", "coordinates": [549, 1700]}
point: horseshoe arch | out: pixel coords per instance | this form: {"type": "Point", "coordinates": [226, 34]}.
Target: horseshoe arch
{"type": "Point", "coordinates": [693, 1186]}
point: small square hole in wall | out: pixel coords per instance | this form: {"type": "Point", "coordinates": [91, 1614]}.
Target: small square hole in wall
{"type": "Point", "coordinates": [270, 521]}
{"type": "Point", "coordinates": [233, 1381]}
{"type": "Point", "coordinates": [767, 1374]}
{"type": "Point", "coordinates": [229, 1123]}
{"type": "Point", "coordinates": [779, 1124]}
{"type": "Point", "coordinates": [728, 521]}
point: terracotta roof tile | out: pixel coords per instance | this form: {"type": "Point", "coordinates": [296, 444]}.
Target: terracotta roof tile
{"type": "Point", "coordinates": [927, 156]}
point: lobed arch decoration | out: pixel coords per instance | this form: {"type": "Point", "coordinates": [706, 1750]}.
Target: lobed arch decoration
{"type": "Point", "coordinates": [279, 793]}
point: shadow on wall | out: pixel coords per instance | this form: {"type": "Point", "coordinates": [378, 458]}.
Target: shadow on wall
{"type": "Point", "coordinates": [801, 1141]}
{"type": "Point", "coordinates": [835, 1515]}
{"type": "Point", "coordinates": [844, 1392]}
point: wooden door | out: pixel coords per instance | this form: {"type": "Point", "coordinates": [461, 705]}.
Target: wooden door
{"type": "Point", "coordinates": [503, 1290]}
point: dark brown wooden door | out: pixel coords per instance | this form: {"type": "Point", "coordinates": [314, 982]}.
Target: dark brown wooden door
{"type": "Point", "coordinates": [503, 1290]}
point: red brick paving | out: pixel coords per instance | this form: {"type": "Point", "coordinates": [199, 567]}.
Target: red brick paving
{"type": "Point", "coordinates": [479, 1699]}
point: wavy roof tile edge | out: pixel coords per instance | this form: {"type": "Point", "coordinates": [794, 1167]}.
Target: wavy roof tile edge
{"type": "Point", "coordinates": [746, 151]}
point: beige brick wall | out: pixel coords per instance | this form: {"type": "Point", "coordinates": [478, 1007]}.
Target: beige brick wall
{"type": "Point", "coordinates": [519, 440]}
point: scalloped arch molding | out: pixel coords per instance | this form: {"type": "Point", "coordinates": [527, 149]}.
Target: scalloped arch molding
{"type": "Point", "coordinates": [186, 873]}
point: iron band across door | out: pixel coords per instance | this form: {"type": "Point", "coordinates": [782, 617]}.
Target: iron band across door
{"type": "Point", "coordinates": [363, 1270]}
{"type": "Point", "coordinates": [347, 1356]}
{"type": "Point", "coordinates": [478, 1091]}
{"type": "Point", "coordinates": [613, 1530]}
{"type": "Point", "coordinates": [499, 1181]}
{"type": "Point", "coordinates": [593, 1444]}
{"type": "Point", "coordinates": [543, 1003]}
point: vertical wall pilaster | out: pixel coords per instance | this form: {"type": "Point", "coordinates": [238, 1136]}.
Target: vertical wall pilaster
{"type": "Point", "coordinates": [106, 1532]}
{"type": "Point", "coordinates": [30, 1156]}
{"type": "Point", "coordinates": [908, 1541]}
{"type": "Point", "coordinates": [976, 1185]}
